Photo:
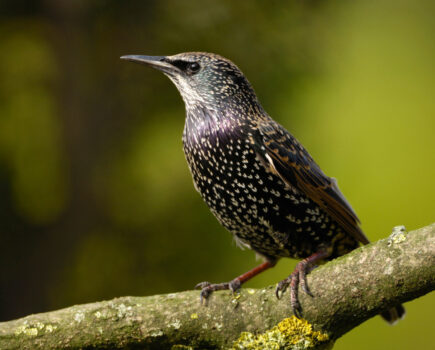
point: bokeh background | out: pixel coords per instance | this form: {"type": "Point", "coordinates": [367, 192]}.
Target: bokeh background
{"type": "Point", "coordinates": [96, 200]}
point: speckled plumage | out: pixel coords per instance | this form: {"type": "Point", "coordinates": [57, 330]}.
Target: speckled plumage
{"type": "Point", "coordinates": [228, 143]}
{"type": "Point", "coordinates": [256, 178]}
{"type": "Point", "coordinates": [233, 174]}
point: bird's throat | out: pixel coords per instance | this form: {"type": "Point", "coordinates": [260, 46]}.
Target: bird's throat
{"type": "Point", "coordinates": [205, 124]}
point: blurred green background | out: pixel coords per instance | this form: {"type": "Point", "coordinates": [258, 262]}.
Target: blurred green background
{"type": "Point", "coordinates": [96, 200]}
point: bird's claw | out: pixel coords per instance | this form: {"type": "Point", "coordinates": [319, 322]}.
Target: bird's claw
{"type": "Point", "coordinates": [202, 285]}
{"type": "Point", "coordinates": [234, 285]}
{"type": "Point", "coordinates": [303, 283]}
{"type": "Point", "coordinates": [208, 288]}
{"type": "Point", "coordinates": [296, 279]}
{"type": "Point", "coordinates": [282, 286]}
{"type": "Point", "coordinates": [205, 293]}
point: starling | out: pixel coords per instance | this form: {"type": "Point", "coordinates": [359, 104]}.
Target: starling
{"type": "Point", "coordinates": [256, 178]}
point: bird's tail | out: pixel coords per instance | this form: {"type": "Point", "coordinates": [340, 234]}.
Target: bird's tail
{"type": "Point", "coordinates": [394, 314]}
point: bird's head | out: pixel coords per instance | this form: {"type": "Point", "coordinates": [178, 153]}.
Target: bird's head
{"type": "Point", "coordinates": [203, 78]}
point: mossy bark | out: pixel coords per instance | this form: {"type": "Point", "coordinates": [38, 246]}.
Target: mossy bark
{"type": "Point", "coordinates": [347, 291]}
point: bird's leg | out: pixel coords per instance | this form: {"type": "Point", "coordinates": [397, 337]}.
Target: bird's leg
{"type": "Point", "coordinates": [299, 278]}
{"type": "Point", "coordinates": [207, 288]}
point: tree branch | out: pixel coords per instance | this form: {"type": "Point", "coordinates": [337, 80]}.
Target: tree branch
{"type": "Point", "coordinates": [348, 291]}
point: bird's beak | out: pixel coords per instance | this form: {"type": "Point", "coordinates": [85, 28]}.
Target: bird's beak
{"type": "Point", "coordinates": [157, 62]}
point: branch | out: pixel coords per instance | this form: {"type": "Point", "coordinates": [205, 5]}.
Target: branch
{"type": "Point", "coordinates": [348, 291]}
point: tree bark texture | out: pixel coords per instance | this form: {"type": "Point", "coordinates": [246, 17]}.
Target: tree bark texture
{"type": "Point", "coordinates": [347, 291]}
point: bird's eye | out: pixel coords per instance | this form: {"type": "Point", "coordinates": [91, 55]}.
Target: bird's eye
{"type": "Point", "coordinates": [193, 67]}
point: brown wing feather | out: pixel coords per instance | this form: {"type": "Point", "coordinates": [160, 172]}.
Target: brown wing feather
{"type": "Point", "coordinates": [296, 167]}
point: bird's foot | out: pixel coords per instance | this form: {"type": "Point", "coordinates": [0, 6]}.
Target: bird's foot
{"type": "Point", "coordinates": [299, 278]}
{"type": "Point", "coordinates": [208, 288]}
{"type": "Point", "coordinates": [296, 279]}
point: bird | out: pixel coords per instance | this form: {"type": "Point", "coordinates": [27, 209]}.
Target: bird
{"type": "Point", "coordinates": [257, 179]}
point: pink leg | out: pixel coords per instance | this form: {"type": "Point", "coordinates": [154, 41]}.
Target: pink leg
{"type": "Point", "coordinates": [207, 288]}
{"type": "Point", "coordinates": [299, 277]}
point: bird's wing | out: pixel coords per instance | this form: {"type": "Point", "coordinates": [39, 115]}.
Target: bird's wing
{"type": "Point", "coordinates": [288, 159]}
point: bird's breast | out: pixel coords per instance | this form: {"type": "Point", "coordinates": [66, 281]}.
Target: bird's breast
{"type": "Point", "coordinates": [237, 188]}
{"type": "Point", "coordinates": [247, 197]}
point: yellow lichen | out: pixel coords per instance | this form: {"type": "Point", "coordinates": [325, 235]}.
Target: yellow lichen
{"type": "Point", "coordinates": [25, 329]}
{"type": "Point", "coordinates": [50, 328]}
{"type": "Point", "coordinates": [31, 332]}
{"type": "Point", "coordinates": [290, 334]}
{"type": "Point", "coordinates": [34, 328]}
{"type": "Point", "coordinates": [236, 296]}
{"type": "Point", "coordinates": [398, 235]}
{"type": "Point", "coordinates": [300, 330]}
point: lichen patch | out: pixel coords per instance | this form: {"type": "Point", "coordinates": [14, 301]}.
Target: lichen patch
{"type": "Point", "coordinates": [50, 328]}
{"type": "Point", "coordinates": [290, 334]}
{"type": "Point", "coordinates": [123, 311]}
{"type": "Point", "coordinates": [79, 316]}
{"type": "Point", "coordinates": [398, 235]}
{"type": "Point", "coordinates": [34, 328]}
{"type": "Point", "coordinates": [176, 324]}
{"type": "Point", "coordinates": [157, 334]}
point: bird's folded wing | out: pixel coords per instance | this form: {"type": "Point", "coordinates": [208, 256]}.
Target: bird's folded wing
{"type": "Point", "coordinates": [293, 164]}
